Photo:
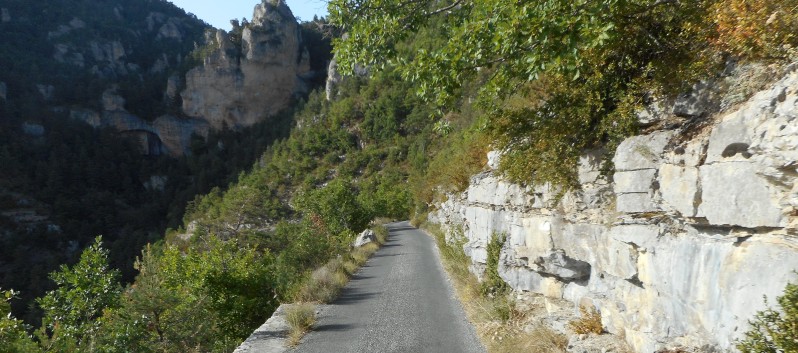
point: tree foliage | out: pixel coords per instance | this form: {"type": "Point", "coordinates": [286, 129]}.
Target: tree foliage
{"type": "Point", "coordinates": [555, 77]}
{"type": "Point", "coordinates": [520, 41]}
{"type": "Point", "coordinates": [72, 310]}
{"type": "Point", "coordinates": [772, 330]}
{"type": "Point", "coordinates": [13, 332]}
{"type": "Point", "coordinates": [335, 208]}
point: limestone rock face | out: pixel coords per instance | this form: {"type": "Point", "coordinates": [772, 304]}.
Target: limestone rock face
{"type": "Point", "coordinates": [175, 133]}
{"type": "Point", "coordinates": [365, 237]}
{"type": "Point", "coordinates": [334, 77]}
{"type": "Point", "coordinates": [165, 135]}
{"type": "Point", "coordinates": [678, 248]}
{"type": "Point", "coordinates": [239, 91]}
{"type": "Point", "coordinates": [170, 29]}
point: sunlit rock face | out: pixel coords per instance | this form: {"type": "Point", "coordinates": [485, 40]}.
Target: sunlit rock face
{"type": "Point", "coordinates": [678, 246]}
{"type": "Point", "coordinates": [239, 89]}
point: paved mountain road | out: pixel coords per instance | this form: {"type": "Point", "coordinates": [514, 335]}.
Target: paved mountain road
{"type": "Point", "coordinates": [400, 301]}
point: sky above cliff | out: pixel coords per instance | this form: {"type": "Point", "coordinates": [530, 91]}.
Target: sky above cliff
{"type": "Point", "coordinates": [219, 13]}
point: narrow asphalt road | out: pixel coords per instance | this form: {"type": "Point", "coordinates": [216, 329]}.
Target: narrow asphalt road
{"type": "Point", "coordinates": [400, 301]}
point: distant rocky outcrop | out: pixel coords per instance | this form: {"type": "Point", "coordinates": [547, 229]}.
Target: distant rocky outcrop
{"type": "Point", "coordinates": [244, 77]}
{"type": "Point", "coordinates": [679, 245]}
{"type": "Point", "coordinates": [334, 77]}
{"type": "Point", "coordinates": [240, 86]}
{"type": "Point", "coordinates": [110, 58]}
{"type": "Point", "coordinates": [167, 134]}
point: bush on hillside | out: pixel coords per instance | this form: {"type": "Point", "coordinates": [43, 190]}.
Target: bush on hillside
{"type": "Point", "coordinates": [761, 29]}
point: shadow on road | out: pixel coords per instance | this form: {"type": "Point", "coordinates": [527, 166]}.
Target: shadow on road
{"type": "Point", "coordinates": [333, 327]}
{"type": "Point", "coordinates": [386, 255]}
{"type": "Point", "coordinates": [352, 298]}
{"type": "Point", "coordinates": [389, 245]}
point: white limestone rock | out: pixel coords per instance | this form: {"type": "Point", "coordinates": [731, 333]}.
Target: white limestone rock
{"type": "Point", "coordinates": [176, 133]}
{"type": "Point", "coordinates": [491, 190]}
{"type": "Point", "coordinates": [641, 152]}
{"type": "Point", "coordinates": [494, 158]}
{"type": "Point", "coordinates": [634, 181]}
{"type": "Point", "coordinates": [170, 30]}
{"type": "Point", "coordinates": [638, 202]}
{"type": "Point", "coordinates": [112, 102]}
{"type": "Point", "coordinates": [678, 187]}
{"type": "Point", "coordinates": [365, 237]}
{"type": "Point", "coordinates": [733, 194]}
{"type": "Point", "coordinates": [642, 236]}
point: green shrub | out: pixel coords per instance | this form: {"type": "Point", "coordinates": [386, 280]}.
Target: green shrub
{"type": "Point", "coordinates": [493, 284]}
{"type": "Point", "coordinates": [772, 330]}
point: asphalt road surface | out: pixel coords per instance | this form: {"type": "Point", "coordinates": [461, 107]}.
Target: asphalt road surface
{"type": "Point", "coordinates": [400, 301]}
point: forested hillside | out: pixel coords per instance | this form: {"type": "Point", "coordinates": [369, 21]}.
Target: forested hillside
{"type": "Point", "coordinates": [67, 176]}
{"type": "Point", "coordinates": [447, 82]}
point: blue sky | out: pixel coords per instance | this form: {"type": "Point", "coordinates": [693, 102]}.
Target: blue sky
{"type": "Point", "coordinates": [219, 12]}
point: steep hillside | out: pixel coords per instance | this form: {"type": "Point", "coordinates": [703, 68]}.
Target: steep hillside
{"type": "Point", "coordinates": [93, 136]}
{"type": "Point", "coordinates": [67, 53]}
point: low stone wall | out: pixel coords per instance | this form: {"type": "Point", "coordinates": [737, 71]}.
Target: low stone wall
{"type": "Point", "coordinates": [677, 247]}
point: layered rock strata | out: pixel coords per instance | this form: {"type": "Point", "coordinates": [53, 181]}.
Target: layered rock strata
{"type": "Point", "coordinates": [677, 247]}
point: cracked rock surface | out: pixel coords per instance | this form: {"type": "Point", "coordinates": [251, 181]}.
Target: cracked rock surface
{"type": "Point", "coordinates": [679, 245]}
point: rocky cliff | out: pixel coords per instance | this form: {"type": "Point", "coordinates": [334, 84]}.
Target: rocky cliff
{"type": "Point", "coordinates": [675, 248]}
{"type": "Point", "coordinates": [127, 65]}
{"type": "Point", "coordinates": [240, 86]}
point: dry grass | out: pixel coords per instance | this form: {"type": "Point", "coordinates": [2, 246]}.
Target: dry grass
{"type": "Point", "coordinates": [498, 320]}
{"type": "Point", "coordinates": [590, 322]}
{"type": "Point", "coordinates": [540, 339]}
{"type": "Point", "coordinates": [361, 255]}
{"type": "Point", "coordinates": [300, 318]}
{"type": "Point", "coordinates": [382, 233]}
{"type": "Point", "coordinates": [326, 282]}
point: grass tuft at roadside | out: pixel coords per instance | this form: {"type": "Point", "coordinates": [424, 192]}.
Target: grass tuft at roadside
{"type": "Point", "coordinates": [500, 322]}
{"type": "Point", "coordinates": [325, 284]}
